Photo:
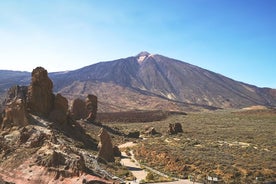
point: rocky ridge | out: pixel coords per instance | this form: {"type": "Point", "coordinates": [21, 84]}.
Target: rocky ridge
{"type": "Point", "coordinates": [39, 136]}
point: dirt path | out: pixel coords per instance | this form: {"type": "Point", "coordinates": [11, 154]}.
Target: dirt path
{"type": "Point", "coordinates": [133, 165]}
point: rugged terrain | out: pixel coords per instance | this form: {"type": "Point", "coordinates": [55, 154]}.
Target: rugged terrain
{"type": "Point", "coordinates": [153, 82]}
{"type": "Point", "coordinates": [43, 141]}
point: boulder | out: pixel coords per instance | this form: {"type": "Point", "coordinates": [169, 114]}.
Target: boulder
{"type": "Point", "coordinates": [59, 113]}
{"type": "Point", "coordinates": [40, 97]}
{"type": "Point", "coordinates": [116, 151]}
{"type": "Point", "coordinates": [105, 147]}
{"type": "Point", "coordinates": [78, 110]}
{"type": "Point", "coordinates": [91, 103]}
{"type": "Point", "coordinates": [151, 131]}
{"type": "Point", "coordinates": [178, 128]}
{"type": "Point", "coordinates": [175, 128]}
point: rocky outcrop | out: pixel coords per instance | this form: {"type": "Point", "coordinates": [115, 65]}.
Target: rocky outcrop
{"type": "Point", "coordinates": [105, 147]}
{"type": "Point", "coordinates": [91, 103]}
{"type": "Point", "coordinates": [45, 150]}
{"type": "Point", "coordinates": [151, 131]}
{"type": "Point", "coordinates": [16, 92]}
{"type": "Point", "coordinates": [31, 138]}
{"type": "Point", "coordinates": [64, 165]}
{"type": "Point", "coordinates": [40, 97]}
{"type": "Point", "coordinates": [175, 128]}
{"type": "Point", "coordinates": [78, 110]}
{"type": "Point", "coordinates": [59, 112]}
{"type": "Point", "coordinates": [85, 109]}
{"type": "Point", "coordinates": [116, 151]}
{"type": "Point", "coordinates": [15, 114]}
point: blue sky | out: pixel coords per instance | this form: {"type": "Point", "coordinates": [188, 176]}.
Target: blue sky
{"type": "Point", "coordinates": [236, 38]}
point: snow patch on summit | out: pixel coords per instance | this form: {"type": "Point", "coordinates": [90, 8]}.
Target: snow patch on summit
{"type": "Point", "coordinates": [141, 59]}
{"type": "Point", "coordinates": [142, 56]}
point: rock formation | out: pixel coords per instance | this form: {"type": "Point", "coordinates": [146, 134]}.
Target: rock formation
{"type": "Point", "coordinates": [68, 166]}
{"type": "Point", "coordinates": [85, 109]}
{"type": "Point", "coordinates": [151, 131]}
{"type": "Point", "coordinates": [59, 112]}
{"type": "Point", "coordinates": [91, 103]}
{"type": "Point", "coordinates": [40, 97]}
{"type": "Point", "coordinates": [15, 114]}
{"type": "Point", "coordinates": [105, 147]}
{"type": "Point", "coordinates": [31, 137]}
{"type": "Point", "coordinates": [45, 150]}
{"type": "Point", "coordinates": [116, 151]}
{"type": "Point", "coordinates": [16, 92]}
{"type": "Point", "coordinates": [175, 128]}
{"type": "Point", "coordinates": [78, 110]}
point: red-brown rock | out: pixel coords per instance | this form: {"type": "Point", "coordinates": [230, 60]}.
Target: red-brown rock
{"type": "Point", "coordinates": [78, 110]}
{"type": "Point", "coordinates": [16, 92]}
{"type": "Point", "coordinates": [91, 103]}
{"type": "Point", "coordinates": [40, 98]}
{"type": "Point", "coordinates": [151, 131]}
{"type": "Point", "coordinates": [59, 113]}
{"type": "Point", "coordinates": [116, 151]}
{"type": "Point", "coordinates": [105, 147]}
{"type": "Point", "coordinates": [175, 128]}
{"type": "Point", "coordinates": [15, 114]}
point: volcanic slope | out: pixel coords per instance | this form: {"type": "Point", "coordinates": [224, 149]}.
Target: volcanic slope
{"type": "Point", "coordinates": [147, 82]}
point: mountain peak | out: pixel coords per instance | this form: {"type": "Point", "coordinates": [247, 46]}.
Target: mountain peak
{"type": "Point", "coordinates": [143, 53]}
{"type": "Point", "coordinates": [142, 56]}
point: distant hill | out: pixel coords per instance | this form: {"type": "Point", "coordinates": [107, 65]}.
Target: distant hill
{"type": "Point", "coordinates": [151, 82]}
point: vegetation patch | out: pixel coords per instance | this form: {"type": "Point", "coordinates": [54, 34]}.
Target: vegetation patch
{"type": "Point", "coordinates": [235, 147]}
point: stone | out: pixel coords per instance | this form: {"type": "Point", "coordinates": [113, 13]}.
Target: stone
{"type": "Point", "coordinates": [116, 151]}
{"type": "Point", "coordinates": [178, 128]}
{"type": "Point", "coordinates": [78, 110]}
{"type": "Point", "coordinates": [31, 137]}
{"type": "Point", "coordinates": [40, 98]}
{"type": "Point", "coordinates": [175, 128]}
{"type": "Point", "coordinates": [85, 109]}
{"type": "Point", "coordinates": [15, 114]}
{"type": "Point", "coordinates": [59, 113]}
{"type": "Point", "coordinates": [15, 98]}
{"type": "Point", "coordinates": [151, 131]}
{"type": "Point", "coordinates": [105, 146]}
{"type": "Point", "coordinates": [66, 165]}
{"type": "Point", "coordinates": [91, 103]}
{"type": "Point", "coordinates": [16, 92]}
